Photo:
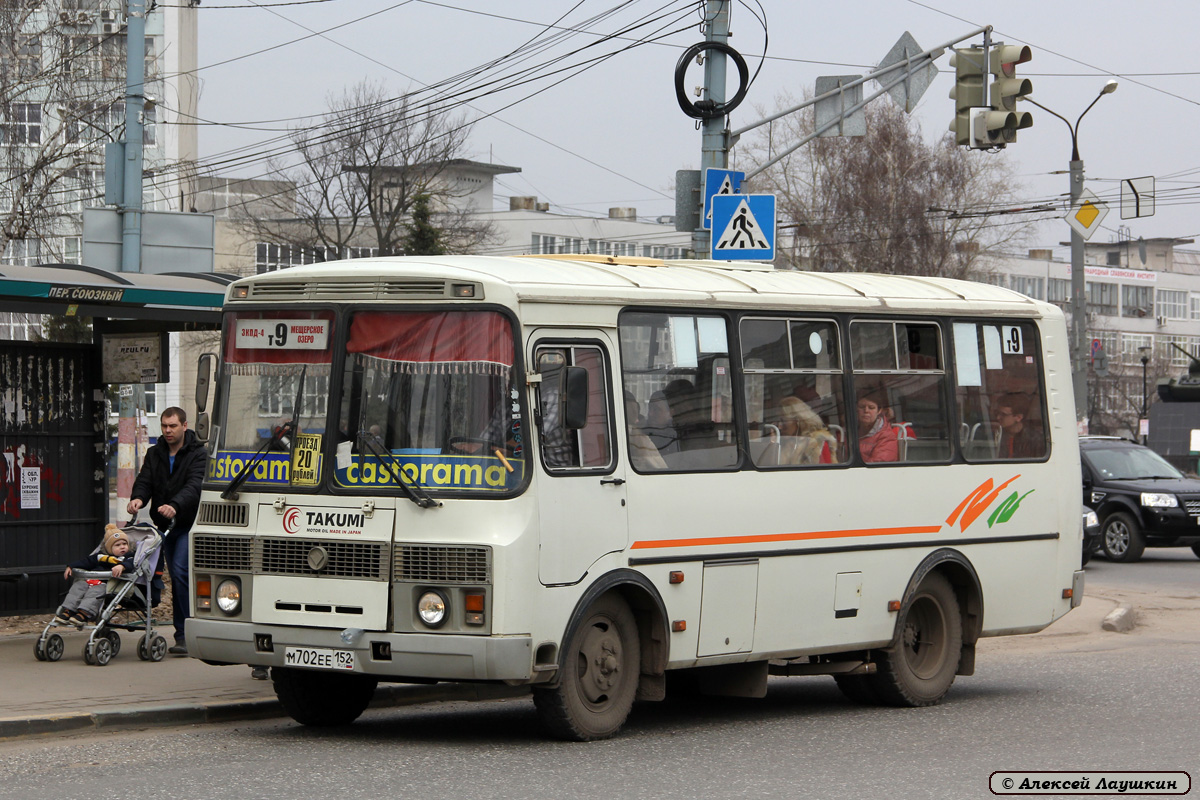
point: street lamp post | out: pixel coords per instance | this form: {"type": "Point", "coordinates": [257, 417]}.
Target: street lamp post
{"type": "Point", "coordinates": [1078, 285]}
{"type": "Point", "coordinates": [1145, 351]}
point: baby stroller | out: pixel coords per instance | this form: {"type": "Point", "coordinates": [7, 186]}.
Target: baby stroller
{"type": "Point", "coordinates": [127, 606]}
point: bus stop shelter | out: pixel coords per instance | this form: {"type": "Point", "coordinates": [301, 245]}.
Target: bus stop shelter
{"type": "Point", "coordinates": [53, 421]}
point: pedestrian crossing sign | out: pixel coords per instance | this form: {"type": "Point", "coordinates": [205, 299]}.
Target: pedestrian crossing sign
{"type": "Point", "coordinates": [743, 227]}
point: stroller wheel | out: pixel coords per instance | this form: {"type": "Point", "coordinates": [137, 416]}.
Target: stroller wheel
{"type": "Point", "coordinates": [89, 656]}
{"type": "Point", "coordinates": [114, 638]}
{"type": "Point", "coordinates": [53, 648]}
{"type": "Point", "coordinates": [39, 649]}
{"type": "Point", "coordinates": [102, 651]}
{"type": "Point", "coordinates": [152, 649]}
{"type": "Point", "coordinates": [158, 648]}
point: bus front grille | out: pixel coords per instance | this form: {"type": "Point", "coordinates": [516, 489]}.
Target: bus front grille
{"type": "Point", "coordinates": [335, 559]}
{"type": "Point", "coordinates": [222, 553]}
{"type": "Point", "coordinates": [442, 564]}
{"type": "Point", "coordinates": [236, 514]}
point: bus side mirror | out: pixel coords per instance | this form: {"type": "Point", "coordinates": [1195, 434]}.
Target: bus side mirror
{"type": "Point", "coordinates": [574, 398]}
{"type": "Point", "coordinates": [204, 373]}
{"type": "Point", "coordinates": [202, 426]}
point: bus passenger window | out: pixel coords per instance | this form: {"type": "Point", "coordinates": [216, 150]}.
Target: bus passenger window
{"type": "Point", "coordinates": [900, 391]}
{"type": "Point", "coordinates": [796, 409]}
{"type": "Point", "coordinates": [677, 367]}
{"type": "Point", "coordinates": [999, 394]}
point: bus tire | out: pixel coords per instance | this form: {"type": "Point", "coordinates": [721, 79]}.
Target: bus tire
{"type": "Point", "coordinates": [599, 676]}
{"type": "Point", "coordinates": [1122, 537]}
{"type": "Point", "coordinates": [322, 699]}
{"type": "Point", "coordinates": [918, 668]}
{"type": "Point", "coordinates": [859, 688]}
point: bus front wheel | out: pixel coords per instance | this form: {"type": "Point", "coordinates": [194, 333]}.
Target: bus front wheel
{"type": "Point", "coordinates": [599, 677]}
{"type": "Point", "coordinates": [918, 668]}
{"type": "Point", "coordinates": [322, 699]}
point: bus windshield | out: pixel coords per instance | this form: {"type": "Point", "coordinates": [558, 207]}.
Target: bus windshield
{"type": "Point", "coordinates": [430, 400]}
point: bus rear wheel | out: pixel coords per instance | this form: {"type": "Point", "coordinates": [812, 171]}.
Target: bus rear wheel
{"type": "Point", "coordinates": [919, 667]}
{"type": "Point", "coordinates": [599, 679]}
{"type": "Point", "coordinates": [322, 699]}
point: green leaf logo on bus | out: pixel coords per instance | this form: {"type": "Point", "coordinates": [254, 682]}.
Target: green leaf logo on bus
{"type": "Point", "coordinates": [978, 501]}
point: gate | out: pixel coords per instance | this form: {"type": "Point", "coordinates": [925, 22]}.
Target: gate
{"type": "Point", "coordinates": [53, 492]}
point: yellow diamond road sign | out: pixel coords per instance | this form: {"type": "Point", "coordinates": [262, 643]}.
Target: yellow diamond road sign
{"type": "Point", "coordinates": [1087, 214]}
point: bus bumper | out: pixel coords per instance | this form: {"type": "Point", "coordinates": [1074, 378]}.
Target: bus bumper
{"type": "Point", "coordinates": [412, 655]}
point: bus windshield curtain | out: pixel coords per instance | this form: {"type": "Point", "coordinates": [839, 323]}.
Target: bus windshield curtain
{"type": "Point", "coordinates": [450, 342]}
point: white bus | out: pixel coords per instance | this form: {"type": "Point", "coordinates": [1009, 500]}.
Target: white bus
{"type": "Point", "coordinates": [582, 473]}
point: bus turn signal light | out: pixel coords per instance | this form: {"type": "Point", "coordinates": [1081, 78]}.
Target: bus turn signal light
{"type": "Point", "coordinates": [676, 576]}
{"type": "Point", "coordinates": [679, 626]}
{"type": "Point", "coordinates": [204, 595]}
{"type": "Point", "coordinates": [893, 605]}
{"type": "Point", "coordinates": [1068, 594]}
{"type": "Point", "coordinates": [473, 604]}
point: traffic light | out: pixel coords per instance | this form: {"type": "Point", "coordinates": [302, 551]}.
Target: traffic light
{"type": "Point", "coordinates": [999, 126]}
{"type": "Point", "coordinates": [969, 90]}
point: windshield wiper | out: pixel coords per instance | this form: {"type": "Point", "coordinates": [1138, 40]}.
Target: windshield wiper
{"type": "Point", "coordinates": [414, 490]}
{"type": "Point", "coordinates": [277, 435]}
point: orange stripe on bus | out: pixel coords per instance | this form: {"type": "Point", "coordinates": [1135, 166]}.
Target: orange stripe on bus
{"type": "Point", "coordinates": [783, 537]}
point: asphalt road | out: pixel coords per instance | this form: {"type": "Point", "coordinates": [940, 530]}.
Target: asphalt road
{"type": "Point", "coordinates": [1175, 569]}
{"type": "Point", "coordinates": [1077, 701]}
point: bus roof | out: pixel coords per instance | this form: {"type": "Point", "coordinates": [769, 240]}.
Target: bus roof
{"type": "Point", "coordinates": [608, 280]}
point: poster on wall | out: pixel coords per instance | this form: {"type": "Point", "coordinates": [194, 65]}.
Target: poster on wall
{"type": "Point", "coordinates": [134, 358]}
{"type": "Point", "coordinates": [31, 487]}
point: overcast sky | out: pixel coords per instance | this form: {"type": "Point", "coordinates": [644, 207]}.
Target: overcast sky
{"type": "Point", "coordinates": [613, 135]}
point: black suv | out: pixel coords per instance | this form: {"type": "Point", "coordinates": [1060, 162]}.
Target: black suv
{"type": "Point", "coordinates": [1142, 500]}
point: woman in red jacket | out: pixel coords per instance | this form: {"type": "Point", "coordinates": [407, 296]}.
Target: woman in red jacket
{"type": "Point", "coordinates": [877, 437]}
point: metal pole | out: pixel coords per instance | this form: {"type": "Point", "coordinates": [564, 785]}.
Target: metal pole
{"type": "Point", "coordinates": [135, 100]}
{"type": "Point", "coordinates": [1079, 363]}
{"type": "Point", "coordinates": [713, 154]}
{"type": "Point", "coordinates": [1145, 361]}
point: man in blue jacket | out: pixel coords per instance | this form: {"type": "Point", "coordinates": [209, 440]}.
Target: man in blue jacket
{"type": "Point", "coordinates": [169, 483]}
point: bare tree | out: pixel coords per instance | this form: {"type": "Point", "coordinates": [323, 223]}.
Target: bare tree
{"type": "Point", "coordinates": [60, 99]}
{"type": "Point", "coordinates": [886, 202]}
{"type": "Point", "coordinates": [358, 174]}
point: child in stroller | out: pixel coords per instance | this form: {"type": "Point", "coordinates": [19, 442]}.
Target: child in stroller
{"type": "Point", "coordinates": [83, 601]}
{"type": "Point", "coordinates": [111, 590]}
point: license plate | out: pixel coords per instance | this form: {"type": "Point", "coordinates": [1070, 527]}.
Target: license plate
{"type": "Point", "coordinates": [318, 658]}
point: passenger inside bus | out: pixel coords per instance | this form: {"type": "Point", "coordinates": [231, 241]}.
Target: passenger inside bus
{"type": "Point", "coordinates": [1018, 437]}
{"type": "Point", "coordinates": [804, 439]}
{"type": "Point", "coordinates": [659, 426]}
{"type": "Point", "coordinates": [877, 440]}
{"type": "Point", "coordinates": [642, 452]}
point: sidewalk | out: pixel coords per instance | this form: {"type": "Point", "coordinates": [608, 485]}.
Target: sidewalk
{"type": "Point", "coordinates": [68, 695]}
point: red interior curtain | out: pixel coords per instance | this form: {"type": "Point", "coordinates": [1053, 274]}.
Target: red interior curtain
{"type": "Point", "coordinates": [433, 336]}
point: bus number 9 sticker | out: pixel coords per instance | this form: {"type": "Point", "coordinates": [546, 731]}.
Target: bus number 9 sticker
{"type": "Point", "coordinates": [1010, 337]}
{"type": "Point", "coordinates": [282, 334]}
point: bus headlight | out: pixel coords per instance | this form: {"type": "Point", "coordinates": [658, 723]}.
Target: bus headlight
{"type": "Point", "coordinates": [229, 595]}
{"type": "Point", "coordinates": [431, 608]}
{"type": "Point", "coordinates": [1159, 500]}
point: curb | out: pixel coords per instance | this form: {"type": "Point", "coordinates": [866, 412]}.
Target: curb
{"type": "Point", "coordinates": [386, 696]}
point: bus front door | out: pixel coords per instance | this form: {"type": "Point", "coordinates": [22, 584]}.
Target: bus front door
{"type": "Point", "coordinates": [580, 484]}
